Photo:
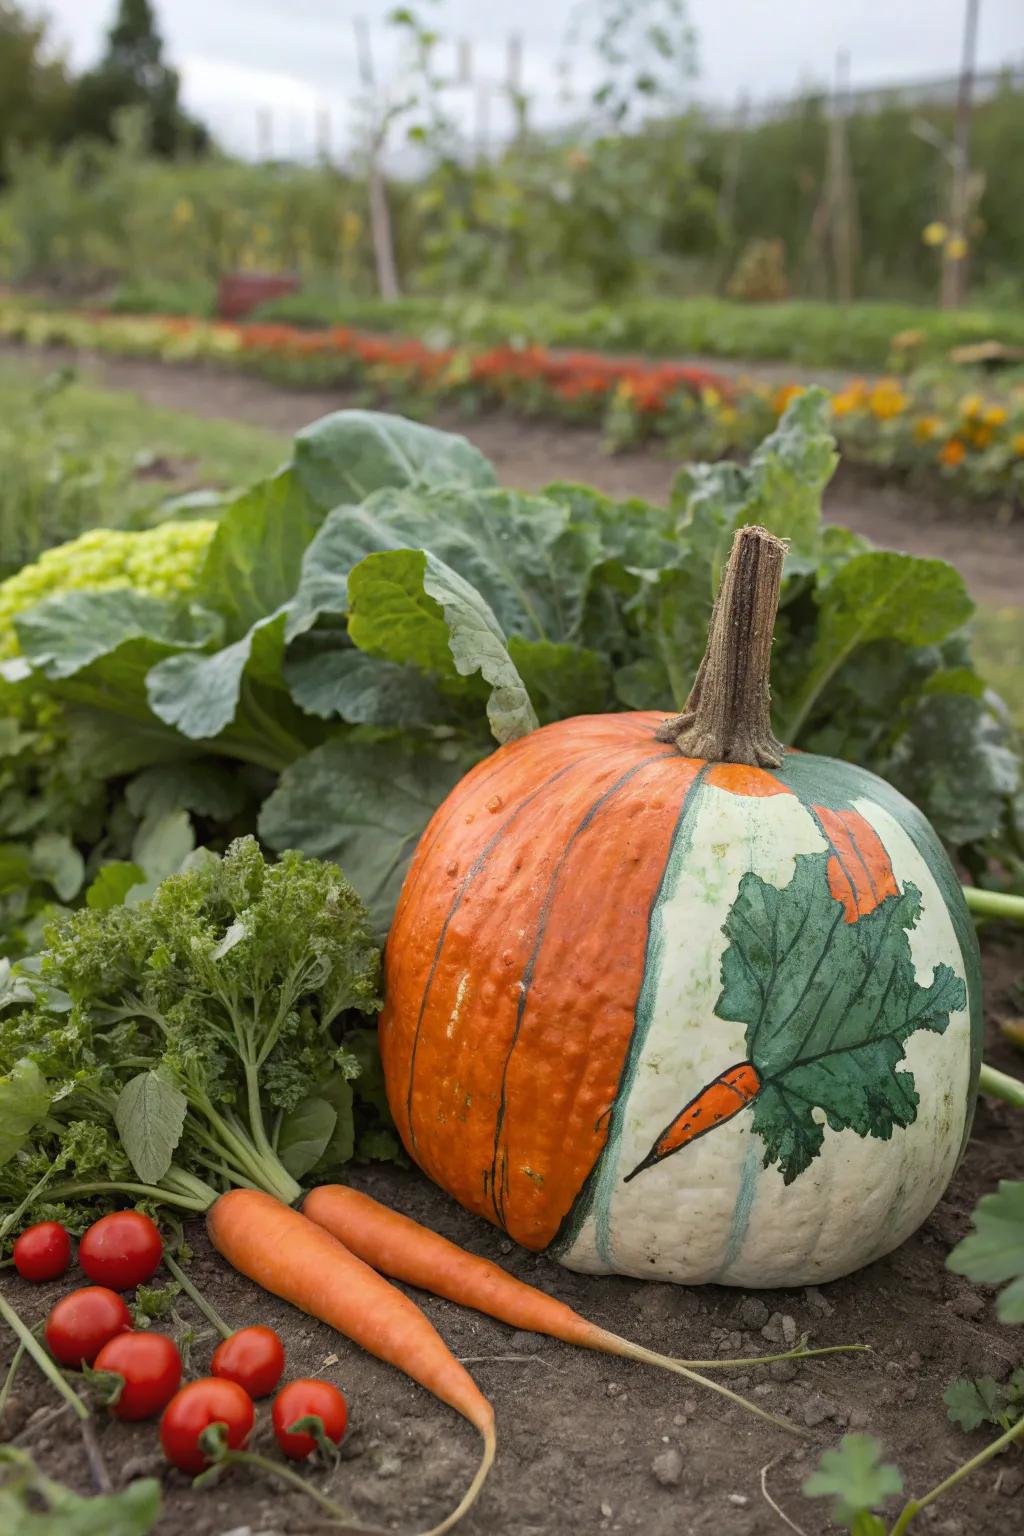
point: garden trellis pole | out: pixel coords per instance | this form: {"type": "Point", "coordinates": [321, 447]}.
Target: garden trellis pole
{"type": "Point", "coordinates": [954, 260]}
{"type": "Point", "coordinates": [380, 212]}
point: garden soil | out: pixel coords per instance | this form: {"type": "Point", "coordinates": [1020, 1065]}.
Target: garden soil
{"type": "Point", "coordinates": [589, 1444]}
{"type": "Point", "coordinates": [531, 453]}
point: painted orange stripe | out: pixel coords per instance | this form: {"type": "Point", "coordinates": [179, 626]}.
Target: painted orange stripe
{"type": "Point", "coordinates": [580, 1009]}
{"type": "Point", "coordinates": [469, 1022]}
{"type": "Point", "coordinates": [739, 779]}
{"type": "Point", "coordinates": [860, 873]}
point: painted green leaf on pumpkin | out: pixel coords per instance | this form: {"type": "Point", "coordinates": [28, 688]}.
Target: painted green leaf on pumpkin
{"type": "Point", "coordinates": [829, 1006]}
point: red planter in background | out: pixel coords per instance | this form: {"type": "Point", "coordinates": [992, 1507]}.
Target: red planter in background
{"type": "Point", "coordinates": [239, 293]}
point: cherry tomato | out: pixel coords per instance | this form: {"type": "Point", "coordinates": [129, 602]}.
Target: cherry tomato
{"type": "Point", "coordinates": [151, 1367]}
{"type": "Point", "coordinates": [194, 1409]}
{"type": "Point", "coordinates": [254, 1357]}
{"type": "Point", "coordinates": [300, 1400]}
{"type": "Point", "coordinates": [42, 1252]}
{"type": "Point", "coordinates": [121, 1250]}
{"type": "Point", "coordinates": [82, 1322]}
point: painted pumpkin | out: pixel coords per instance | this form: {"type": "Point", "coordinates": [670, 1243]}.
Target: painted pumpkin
{"type": "Point", "coordinates": [679, 1017]}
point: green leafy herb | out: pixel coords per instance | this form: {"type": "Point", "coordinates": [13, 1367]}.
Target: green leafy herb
{"type": "Point", "coordinates": [199, 1019]}
{"type": "Point", "coordinates": [34, 1505]}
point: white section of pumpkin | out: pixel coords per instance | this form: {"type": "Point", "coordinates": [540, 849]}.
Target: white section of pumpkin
{"type": "Point", "coordinates": [684, 1218]}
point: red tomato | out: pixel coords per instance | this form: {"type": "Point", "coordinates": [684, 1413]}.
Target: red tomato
{"type": "Point", "coordinates": [194, 1409]}
{"type": "Point", "coordinates": [82, 1322]}
{"type": "Point", "coordinates": [42, 1252]}
{"type": "Point", "coordinates": [254, 1357]}
{"type": "Point", "coordinates": [121, 1250]}
{"type": "Point", "coordinates": [301, 1400]}
{"type": "Point", "coordinates": [151, 1368]}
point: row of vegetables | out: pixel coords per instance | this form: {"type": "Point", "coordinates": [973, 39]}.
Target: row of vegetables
{"type": "Point", "coordinates": [189, 1024]}
{"type": "Point", "coordinates": [929, 427]}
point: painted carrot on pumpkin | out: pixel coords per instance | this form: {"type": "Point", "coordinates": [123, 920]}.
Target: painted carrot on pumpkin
{"type": "Point", "coordinates": [731, 1091]}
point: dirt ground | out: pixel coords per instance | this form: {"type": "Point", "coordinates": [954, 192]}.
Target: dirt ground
{"type": "Point", "coordinates": [587, 1443]}
{"type": "Point", "coordinates": [530, 454]}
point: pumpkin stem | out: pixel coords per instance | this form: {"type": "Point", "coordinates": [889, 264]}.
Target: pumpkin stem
{"type": "Point", "coordinates": [727, 718]}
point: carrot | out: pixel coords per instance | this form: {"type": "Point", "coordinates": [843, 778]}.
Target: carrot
{"type": "Point", "coordinates": [403, 1249]}
{"type": "Point", "coordinates": [301, 1262]}
{"type": "Point", "coordinates": [731, 1091]}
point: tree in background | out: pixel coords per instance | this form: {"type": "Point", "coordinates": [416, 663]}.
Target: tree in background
{"type": "Point", "coordinates": [34, 86]}
{"type": "Point", "coordinates": [133, 73]}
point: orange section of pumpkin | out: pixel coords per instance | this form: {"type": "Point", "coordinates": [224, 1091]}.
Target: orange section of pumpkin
{"type": "Point", "coordinates": [860, 873]}
{"type": "Point", "coordinates": [502, 1058]}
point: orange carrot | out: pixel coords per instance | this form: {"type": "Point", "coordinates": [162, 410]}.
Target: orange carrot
{"type": "Point", "coordinates": [403, 1249]}
{"type": "Point", "coordinates": [731, 1091]}
{"type": "Point", "coordinates": [300, 1261]}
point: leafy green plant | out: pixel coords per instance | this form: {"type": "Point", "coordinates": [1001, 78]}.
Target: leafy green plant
{"type": "Point", "coordinates": [994, 1251]}
{"type": "Point", "coordinates": [971, 1402]}
{"type": "Point", "coordinates": [857, 1480]}
{"type": "Point", "coordinates": [35, 1505]}
{"type": "Point", "coordinates": [205, 1043]}
{"type": "Point", "coordinates": [369, 621]}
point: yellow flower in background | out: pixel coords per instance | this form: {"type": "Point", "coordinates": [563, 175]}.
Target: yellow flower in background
{"type": "Point", "coordinates": [1017, 444]}
{"type": "Point", "coordinates": [727, 415]}
{"type": "Point", "coordinates": [980, 435]}
{"type": "Point", "coordinates": [996, 416]}
{"type": "Point", "coordinates": [261, 235]}
{"type": "Point", "coordinates": [971, 406]}
{"type": "Point", "coordinates": [783, 396]}
{"type": "Point", "coordinates": [887, 400]}
{"type": "Point", "coordinates": [852, 398]}
{"type": "Point", "coordinates": [351, 229]}
{"type": "Point", "coordinates": [926, 427]}
{"type": "Point", "coordinates": [710, 398]}
{"type": "Point", "coordinates": [906, 341]}
{"type": "Point", "coordinates": [956, 248]}
{"type": "Point", "coordinates": [934, 233]}
{"type": "Point", "coordinates": [183, 213]}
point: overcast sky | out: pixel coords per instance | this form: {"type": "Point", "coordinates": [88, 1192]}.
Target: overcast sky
{"type": "Point", "coordinates": [295, 58]}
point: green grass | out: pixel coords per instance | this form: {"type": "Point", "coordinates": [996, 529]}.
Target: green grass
{"type": "Point", "coordinates": [73, 456]}
{"type": "Point", "coordinates": [999, 653]}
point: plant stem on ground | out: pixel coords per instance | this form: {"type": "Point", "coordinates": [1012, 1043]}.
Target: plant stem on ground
{"type": "Point", "coordinates": [209, 1312]}
{"type": "Point", "coordinates": [1000, 1085]}
{"type": "Point", "coordinates": [914, 1506]}
{"type": "Point", "coordinates": [994, 904]}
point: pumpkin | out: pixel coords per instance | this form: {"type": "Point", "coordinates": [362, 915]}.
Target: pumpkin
{"type": "Point", "coordinates": [667, 1000]}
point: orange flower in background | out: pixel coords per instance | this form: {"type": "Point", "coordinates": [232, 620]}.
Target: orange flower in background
{"type": "Point", "coordinates": [887, 400]}
{"type": "Point", "coordinates": [783, 396]}
{"type": "Point", "coordinates": [980, 435]}
{"type": "Point", "coordinates": [952, 453]}
{"type": "Point", "coordinates": [850, 399]}
{"type": "Point", "coordinates": [926, 427]}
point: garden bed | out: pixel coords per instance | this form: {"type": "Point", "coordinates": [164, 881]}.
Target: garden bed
{"type": "Point", "coordinates": [586, 1443]}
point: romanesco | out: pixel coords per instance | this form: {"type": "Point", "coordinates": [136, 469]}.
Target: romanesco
{"type": "Point", "coordinates": [164, 561]}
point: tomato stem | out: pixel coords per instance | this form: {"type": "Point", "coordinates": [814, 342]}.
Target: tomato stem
{"type": "Point", "coordinates": [208, 1311]}
{"type": "Point", "coordinates": [228, 1458]}
{"type": "Point", "coordinates": [26, 1337]}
